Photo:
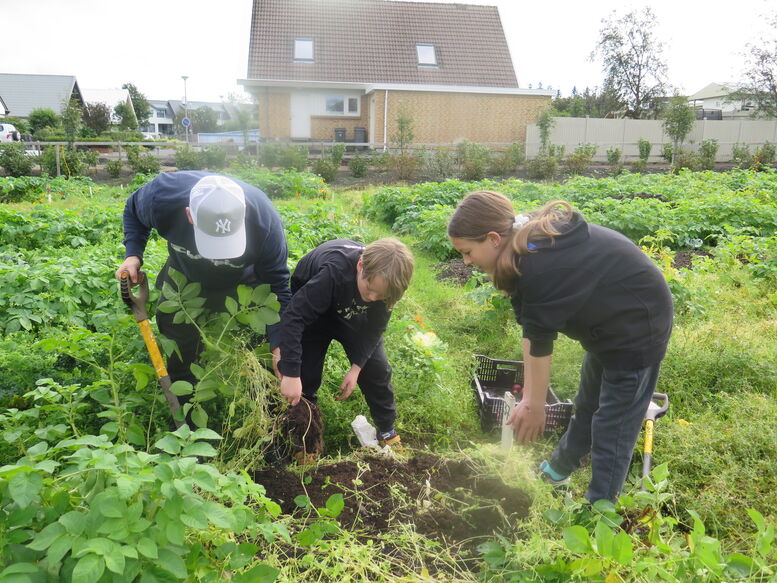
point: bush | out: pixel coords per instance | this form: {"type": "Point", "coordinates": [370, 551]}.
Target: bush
{"type": "Point", "coordinates": [113, 168]}
{"type": "Point", "coordinates": [404, 165]}
{"type": "Point", "coordinates": [614, 156]}
{"type": "Point", "coordinates": [214, 157]}
{"type": "Point", "coordinates": [143, 162]}
{"type": "Point", "coordinates": [686, 159]}
{"type": "Point", "coordinates": [639, 165]}
{"type": "Point", "coordinates": [283, 183]}
{"type": "Point", "coordinates": [741, 156]}
{"type": "Point", "coordinates": [438, 165]}
{"type": "Point", "coordinates": [71, 161]}
{"type": "Point", "coordinates": [707, 152]}
{"type": "Point", "coordinates": [358, 166]}
{"type": "Point", "coordinates": [337, 153]}
{"type": "Point", "coordinates": [764, 156]}
{"type": "Point", "coordinates": [188, 159]}
{"type": "Point", "coordinates": [579, 161]}
{"type": "Point", "coordinates": [325, 168]}
{"type": "Point", "coordinates": [294, 158]}
{"type": "Point", "coordinates": [644, 147]}
{"type": "Point", "coordinates": [666, 152]}
{"type": "Point", "coordinates": [507, 161]}
{"type": "Point", "coordinates": [475, 160]}
{"type": "Point", "coordinates": [13, 160]}
{"type": "Point", "coordinates": [42, 118]}
{"type": "Point", "coordinates": [542, 168]}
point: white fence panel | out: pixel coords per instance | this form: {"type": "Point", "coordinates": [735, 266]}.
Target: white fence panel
{"type": "Point", "coordinates": [571, 132]}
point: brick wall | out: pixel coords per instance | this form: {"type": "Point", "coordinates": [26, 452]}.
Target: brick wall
{"type": "Point", "coordinates": [274, 115]}
{"type": "Point", "coordinates": [439, 118]}
{"type": "Point", "coordinates": [449, 117]}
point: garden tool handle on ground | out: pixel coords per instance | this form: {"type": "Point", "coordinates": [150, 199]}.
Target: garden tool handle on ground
{"type": "Point", "coordinates": [654, 412]}
{"type": "Point", "coordinates": [507, 429]}
{"type": "Point", "coordinates": [137, 303]}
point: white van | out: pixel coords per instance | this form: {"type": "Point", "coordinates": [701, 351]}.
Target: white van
{"type": "Point", "coordinates": [8, 133]}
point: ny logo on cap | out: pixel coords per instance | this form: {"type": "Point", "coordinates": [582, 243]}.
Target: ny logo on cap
{"type": "Point", "coordinates": [223, 226]}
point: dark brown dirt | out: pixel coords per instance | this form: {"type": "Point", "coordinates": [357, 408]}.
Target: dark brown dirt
{"type": "Point", "coordinates": [455, 271]}
{"type": "Point", "coordinates": [684, 259]}
{"type": "Point", "coordinates": [453, 502]}
{"type": "Point", "coordinates": [303, 426]}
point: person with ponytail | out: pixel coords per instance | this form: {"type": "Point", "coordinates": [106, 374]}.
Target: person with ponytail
{"type": "Point", "coordinates": [594, 285]}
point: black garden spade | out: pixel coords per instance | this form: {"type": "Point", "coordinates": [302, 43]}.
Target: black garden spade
{"type": "Point", "coordinates": [137, 303]}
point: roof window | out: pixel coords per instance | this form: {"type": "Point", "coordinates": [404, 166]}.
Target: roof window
{"type": "Point", "coordinates": [427, 56]}
{"type": "Point", "coordinates": [303, 50]}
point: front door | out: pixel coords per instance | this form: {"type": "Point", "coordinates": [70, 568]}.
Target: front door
{"type": "Point", "coordinates": [300, 115]}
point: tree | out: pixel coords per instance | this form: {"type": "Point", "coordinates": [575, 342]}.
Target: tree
{"type": "Point", "coordinates": [678, 122]}
{"type": "Point", "coordinates": [204, 119]}
{"type": "Point", "coordinates": [126, 115]}
{"type": "Point", "coordinates": [42, 118]}
{"type": "Point", "coordinates": [632, 60]}
{"type": "Point", "coordinates": [139, 103]}
{"type": "Point", "coordinates": [97, 117]}
{"type": "Point", "coordinates": [760, 84]}
{"type": "Point", "coordinates": [71, 120]}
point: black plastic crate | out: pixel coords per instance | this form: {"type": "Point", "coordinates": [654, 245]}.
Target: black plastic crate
{"type": "Point", "coordinates": [494, 377]}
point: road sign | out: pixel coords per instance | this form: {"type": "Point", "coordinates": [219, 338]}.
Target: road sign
{"type": "Point", "coordinates": [186, 122]}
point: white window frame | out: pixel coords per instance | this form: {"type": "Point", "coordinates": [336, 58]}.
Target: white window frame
{"type": "Point", "coordinates": [346, 101]}
{"type": "Point", "coordinates": [304, 50]}
{"type": "Point", "coordinates": [425, 59]}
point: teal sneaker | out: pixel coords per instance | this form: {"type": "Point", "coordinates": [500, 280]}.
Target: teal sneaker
{"type": "Point", "coordinates": [548, 474]}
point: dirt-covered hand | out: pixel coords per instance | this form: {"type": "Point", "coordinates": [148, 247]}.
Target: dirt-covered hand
{"type": "Point", "coordinates": [291, 389]}
{"type": "Point", "coordinates": [528, 421]}
{"type": "Point", "coordinates": [131, 266]}
{"type": "Point", "coordinates": [349, 383]}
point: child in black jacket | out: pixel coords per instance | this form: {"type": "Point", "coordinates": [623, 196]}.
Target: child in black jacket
{"type": "Point", "coordinates": [594, 285]}
{"type": "Point", "coordinates": [344, 291]}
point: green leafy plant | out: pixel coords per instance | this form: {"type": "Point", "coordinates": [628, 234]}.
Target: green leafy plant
{"type": "Point", "coordinates": [358, 166]}
{"type": "Point", "coordinates": [708, 151]}
{"type": "Point", "coordinates": [579, 161]}
{"type": "Point", "coordinates": [325, 168]}
{"type": "Point", "coordinates": [13, 160]}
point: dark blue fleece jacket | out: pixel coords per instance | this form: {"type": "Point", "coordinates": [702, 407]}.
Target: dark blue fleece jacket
{"type": "Point", "coordinates": [161, 204]}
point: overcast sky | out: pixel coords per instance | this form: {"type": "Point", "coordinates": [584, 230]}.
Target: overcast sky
{"type": "Point", "coordinates": [152, 43]}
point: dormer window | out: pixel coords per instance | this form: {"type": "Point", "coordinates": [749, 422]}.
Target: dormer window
{"type": "Point", "coordinates": [427, 56]}
{"type": "Point", "coordinates": [303, 50]}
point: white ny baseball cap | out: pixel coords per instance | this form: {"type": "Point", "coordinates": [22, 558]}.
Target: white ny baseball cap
{"type": "Point", "coordinates": [218, 209]}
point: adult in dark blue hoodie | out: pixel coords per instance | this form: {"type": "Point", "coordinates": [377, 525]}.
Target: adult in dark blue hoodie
{"type": "Point", "coordinates": [595, 286]}
{"type": "Point", "coordinates": [220, 232]}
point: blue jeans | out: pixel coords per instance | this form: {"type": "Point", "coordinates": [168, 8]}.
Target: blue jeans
{"type": "Point", "coordinates": [610, 406]}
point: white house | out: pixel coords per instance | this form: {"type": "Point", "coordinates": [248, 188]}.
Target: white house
{"type": "Point", "coordinates": [715, 97]}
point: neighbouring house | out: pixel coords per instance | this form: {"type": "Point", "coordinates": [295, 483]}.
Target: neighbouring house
{"type": "Point", "coordinates": [110, 97]}
{"type": "Point", "coordinates": [22, 93]}
{"type": "Point", "coordinates": [347, 69]}
{"type": "Point", "coordinates": [714, 102]}
{"type": "Point", "coordinates": [160, 122]}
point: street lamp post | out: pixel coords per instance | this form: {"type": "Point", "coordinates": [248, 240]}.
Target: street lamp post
{"type": "Point", "coordinates": [185, 106]}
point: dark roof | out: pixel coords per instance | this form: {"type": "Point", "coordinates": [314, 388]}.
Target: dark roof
{"type": "Point", "coordinates": [374, 41]}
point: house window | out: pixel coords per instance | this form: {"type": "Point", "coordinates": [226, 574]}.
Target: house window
{"type": "Point", "coordinates": [303, 50]}
{"type": "Point", "coordinates": [162, 113]}
{"type": "Point", "coordinates": [342, 105]}
{"type": "Point", "coordinates": [427, 56]}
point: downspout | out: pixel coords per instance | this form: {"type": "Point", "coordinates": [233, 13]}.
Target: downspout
{"type": "Point", "coordinates": [385, 120]}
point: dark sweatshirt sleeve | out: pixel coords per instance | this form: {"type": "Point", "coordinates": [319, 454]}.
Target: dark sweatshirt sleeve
{"type": "Point", "coordinates": [137, 223]}
{"type": "Point", "coordinates": [310, 302]}
{"type": "Point", "coordinates": [272, 267]}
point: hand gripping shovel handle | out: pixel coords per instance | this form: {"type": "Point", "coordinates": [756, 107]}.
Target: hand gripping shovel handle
{"type": "Point", "coordinates": [137, 303]}
{"type": "Point", "coordinates": [655, 410]}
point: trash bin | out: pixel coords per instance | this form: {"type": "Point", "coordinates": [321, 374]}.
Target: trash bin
{"type": "Point", "coordinates": [339, 134]}
{"type": "Point", "coordinates": [360, 137]}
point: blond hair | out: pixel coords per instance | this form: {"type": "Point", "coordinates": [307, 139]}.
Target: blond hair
{"type": "Point", "coordinates": [484, 211]}
{"type": "Point", "coordinates": [393, 261]}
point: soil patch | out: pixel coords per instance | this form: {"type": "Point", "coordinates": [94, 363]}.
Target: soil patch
{"type": "Point", "coordinates": [455, 270]}
{"type": "Point", "coordinates": [684, 259]}
{"type": "Point", "coordinates": [454, 502]}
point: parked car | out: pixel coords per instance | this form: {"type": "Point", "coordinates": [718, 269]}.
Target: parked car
{"type": "Point", "coordinates": [8, 133]}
